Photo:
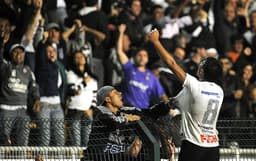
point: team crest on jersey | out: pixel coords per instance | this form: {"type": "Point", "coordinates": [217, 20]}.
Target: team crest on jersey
{"type": "Point", "coordinates": [25, 70]}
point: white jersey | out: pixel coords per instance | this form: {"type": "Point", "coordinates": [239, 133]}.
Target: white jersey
{"type": "Point", "coordinates": [200, 103]}
{"type": "Point", "coordinates": [87, 98]}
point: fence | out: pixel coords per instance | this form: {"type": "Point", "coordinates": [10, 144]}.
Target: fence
{"type": "Point", "coordinates": [240, 133]}
{"type": "Point", "coordinates": [237, 142]}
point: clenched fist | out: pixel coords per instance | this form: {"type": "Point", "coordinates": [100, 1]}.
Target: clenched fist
{"type": "Point", "coordinates": [153, 36]}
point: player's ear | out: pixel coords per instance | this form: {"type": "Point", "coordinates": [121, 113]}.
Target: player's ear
{"type": "Point", "coordinates": [107, 99]}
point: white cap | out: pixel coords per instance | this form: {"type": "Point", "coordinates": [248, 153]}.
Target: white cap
{"type": "Point", "coordinates": [14, 46]}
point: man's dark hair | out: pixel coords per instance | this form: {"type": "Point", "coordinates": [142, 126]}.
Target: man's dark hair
{"type": "Point", "coordinates": [235, 38]}
{"type": "Point", "coordinates": [10, 16]}
{"type": "Point", "coordinates": [136, 50]}
{"type": "Point", "coordinates": [154, 7]}
{"type": "Point", "coordinates": [252, 12]}
{"type": "Point", "coordinates": [47, 43]}
{"type": "Point", "coordinates": [226, 57]}
{"type": "Point", "coordinates": [129, 2]}
{"type": "Point", "coordinates": [212, 70]}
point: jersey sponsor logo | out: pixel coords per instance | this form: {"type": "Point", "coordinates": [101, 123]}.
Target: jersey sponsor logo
{"type": "Point", "coordinates": [208, 138]}
{"type": "Point", "coordinates": [114, 148]}
{"type": "Point", "coordinates": [139, 85]}
{"type": "Point", "coordinates": [17, 85]}
{"type": "Point", "coordinates": [206, 129]}
{"type": "Point", "coordinates": [209, 93]}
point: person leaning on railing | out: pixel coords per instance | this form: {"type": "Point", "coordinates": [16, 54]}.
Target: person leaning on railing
{"type": "Point", "coordinates": [111, 112]}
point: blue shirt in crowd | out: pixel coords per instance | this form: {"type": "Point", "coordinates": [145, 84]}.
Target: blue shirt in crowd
{"type": "Point", "coordinates": [140, 86]}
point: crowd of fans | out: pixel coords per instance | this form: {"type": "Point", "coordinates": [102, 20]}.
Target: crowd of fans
{"type": "Point", "coordinates": [56, 54]}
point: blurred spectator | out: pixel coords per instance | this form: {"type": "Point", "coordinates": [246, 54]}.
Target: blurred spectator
{"type": "Point", "coordinates": [7, 27]}
{"type": "Point", "coordinates": [242, 110]}
{"type": "Point", "coordinates": [17, 82]}
{"type": "Point", "coordinates": [237, 44]}
{"type": "Point", "coordinates": [201, 29]}
{"type": "Point", "coordinates": [152, 57]}
{"type": "Point", "coordinates": [180, 41]}
{"type": "Point", "coordinates": [212, 52]}
{"type": "Point", "coordinates": [18, 13]}
{"type": "Point", "coordinates": [167, 79]}
{"type": "Point", "coordinates": [189, 6]}
{"type": "Point", "coordinates": [26, 20]}
{"type": "Point", "coordinates": [116, 9]}
{"type": "Point", "coordinates": [56, 11]}
{"type": "Point", "coordinates": [246, 57]}
{"type": "Point", "coordinates": [141, 85]}
{"type": "Point", "coordinates": [227, 24]}
{"type": "Point", "coordinates": [81, 84]}
{"type": "Point", "coordinates": [115, 69]}
{"type": "Point", "coordinates": [163, 3]}
{"type": "Point", "coordinates": [252, 102]}
{"type": "Point", "coordinates": [95, 19]}
{"type": "Point", "coordinates": [76, 41]}
{"type": "Point", "coordinates": [74, 37]}
{"type": "Point", "coordinates": [10, 6]}
{"type": "Point", "coordinates": [179, 55]}
{"type": "Point", "coordinates": [131, 17]}
{"type": "Point", "coordinates": [51, 77]}
{"type": "Point", "coordinates": [198, 53]}
{"type": "Point", "coordinates": [243, 9]}
{"type": "Point", "coordinates": [232, 87]}
{"type": "Point", "coordinates": [200, 12]}
{"type": "Point", "coordinates": [168, 26]}
{"type": "Point", "coordinates": [53, 37]}
{"type": "Point", "coordinates": [250, 34]}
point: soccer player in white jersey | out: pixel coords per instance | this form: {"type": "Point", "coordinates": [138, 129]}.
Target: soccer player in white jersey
{"type": "Point", "coordinates": [200, 102]}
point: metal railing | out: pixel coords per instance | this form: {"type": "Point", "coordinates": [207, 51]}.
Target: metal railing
{"type": "Point", "coordinates": [237, 142]}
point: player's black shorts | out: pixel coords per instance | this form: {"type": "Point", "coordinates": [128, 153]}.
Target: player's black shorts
{"type": "Point", "coordinates": [192, 152]}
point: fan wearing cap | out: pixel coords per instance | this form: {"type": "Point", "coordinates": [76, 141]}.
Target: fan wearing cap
{"type": "Point", "coordinates": [52, 35]}
{"type": "Point", "coordinates": [16, 83]}
{"type": "Point", "coordinates": [111, 112]}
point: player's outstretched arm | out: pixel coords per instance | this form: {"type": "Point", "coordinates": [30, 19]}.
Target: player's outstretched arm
{"type": "Point", "coordinates": [153, 36]}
